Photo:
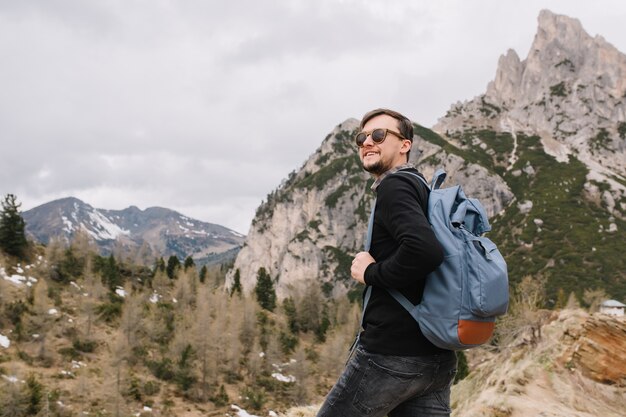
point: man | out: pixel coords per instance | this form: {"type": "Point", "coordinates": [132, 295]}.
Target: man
{"type": "Point", "coordinates": [394, 369]}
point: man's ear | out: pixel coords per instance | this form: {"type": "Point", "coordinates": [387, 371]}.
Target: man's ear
{"type": "Point", "coordinates": [406, 146]}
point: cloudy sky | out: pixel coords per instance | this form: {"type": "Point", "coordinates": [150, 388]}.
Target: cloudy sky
{"type": "Point", "coordinates": [204, 106]}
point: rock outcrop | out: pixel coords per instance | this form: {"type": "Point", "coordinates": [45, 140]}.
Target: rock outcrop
{"type": "Point", "coordinates": [570, 91]}
{"type": "Point", "coordinates": [598, 349]}
{"type": "Point", "coordinates": [557, 376]}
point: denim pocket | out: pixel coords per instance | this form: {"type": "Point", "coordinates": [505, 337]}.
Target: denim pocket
{"type": "Point", "coordinates": [345, 381]}
{"type": "Point", "coordinates": [385, 383]}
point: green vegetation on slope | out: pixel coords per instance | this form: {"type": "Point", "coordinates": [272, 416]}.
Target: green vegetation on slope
{"type": "Point", "coordinates": [571, 244]}
{"type": "Point", "coordinates": [564, 236]}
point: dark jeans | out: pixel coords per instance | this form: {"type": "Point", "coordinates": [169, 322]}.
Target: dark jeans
{"type": "Point", "coordinates": [398, 386]}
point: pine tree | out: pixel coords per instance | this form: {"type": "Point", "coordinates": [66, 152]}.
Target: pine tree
{"type": "Point", "coordinates": [188, 263]}
{"type": "Point", "coordinates": [159, 265]}
{"type": "Point", "coordinates": [12, 225]}
{"type": "Point", "coordinates": [34, 393]}
{"type": "Point", "coordinates": [236, 288]}
{"type": "Point", "coordinates": [265, 293]}
{"type": "Point", "coordinates": [172, 265]}
{"type": "Point", "coordinates": [203, 273]}
{"type": "Point", "coordinates": [110, 272]}
{"type": "Point", "coordinates": [291, 314]}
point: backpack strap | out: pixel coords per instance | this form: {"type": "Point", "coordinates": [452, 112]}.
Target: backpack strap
{"type": "Point", "coordinates": [370, 227]}
{"type": "Point", "coordinates": [368, 288]}
{"type": "Point", "coordinates": [413, 174]}
{"type": "Point", "coordinates": [404, 302]}
{"type": "Point", "coordinates": [438, 179]}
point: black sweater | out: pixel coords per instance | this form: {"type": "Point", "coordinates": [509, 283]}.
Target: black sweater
{"type": "Point", "coordinates": [406, 250]}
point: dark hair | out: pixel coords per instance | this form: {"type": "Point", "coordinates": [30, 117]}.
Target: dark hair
{"type": "Point", "coordinates": [404, 124]}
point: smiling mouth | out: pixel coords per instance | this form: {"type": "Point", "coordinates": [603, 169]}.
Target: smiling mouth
{"type": "Point", "coordinates": [366, 154]}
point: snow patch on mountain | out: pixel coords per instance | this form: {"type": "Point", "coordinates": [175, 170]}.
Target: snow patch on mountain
{"type": "Point", "coordinates": [68, 225]}
{"type": "Point", "coordinates": [105, 228]}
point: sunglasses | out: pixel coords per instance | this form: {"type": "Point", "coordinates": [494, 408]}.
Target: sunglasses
{"type": "Point", "coordinates": [378, 136]}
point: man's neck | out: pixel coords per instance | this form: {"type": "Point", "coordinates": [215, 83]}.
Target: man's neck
{"type": "Point", "coordinates": [379, 178]}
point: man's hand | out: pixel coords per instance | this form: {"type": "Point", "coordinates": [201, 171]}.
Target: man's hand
{"type": "Point", "coordinates": [359, 265]}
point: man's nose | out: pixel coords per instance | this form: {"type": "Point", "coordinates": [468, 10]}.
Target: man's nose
{"type": "Point", "coordinates": [368, 140]}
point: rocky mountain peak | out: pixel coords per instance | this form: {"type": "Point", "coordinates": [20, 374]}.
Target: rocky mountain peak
{"type": "Point", "coordinates": [505, 87]}
{"type": "Point", "coordinates": [561, 51]}
{"type": "Point", "coordinates": [570, 91]}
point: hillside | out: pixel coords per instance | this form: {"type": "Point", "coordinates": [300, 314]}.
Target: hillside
{"type": "Point", "coordinates": [148, 233]}
{"type": "Point", "coordinates": [155, 346]}
{"type": "Point", "coordinates": [576, 369]}
{"type": "Point", "coordinates": [118, 339]}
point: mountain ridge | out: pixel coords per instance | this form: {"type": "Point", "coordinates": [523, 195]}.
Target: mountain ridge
{"type": "Point", "coordinates": [156, 231]}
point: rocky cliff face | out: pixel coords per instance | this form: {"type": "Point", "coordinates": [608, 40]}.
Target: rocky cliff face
{"type": "Point", "coordinates": [309, 229]}
{"type": "Point", "coordinates": [571, 92]}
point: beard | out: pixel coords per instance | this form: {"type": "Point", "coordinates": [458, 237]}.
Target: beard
{"type": "Point", "coordinates": [377, 168]}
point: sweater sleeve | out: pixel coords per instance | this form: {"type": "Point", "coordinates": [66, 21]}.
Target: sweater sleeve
{"type": "Point", "coordinates": [399, 210]}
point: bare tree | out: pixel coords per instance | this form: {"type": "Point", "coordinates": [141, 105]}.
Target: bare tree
{"type": "Point", "coordinates": [53, 256]}
{"type": "Point", "coordinates": [130, 322]}
{"type": "Point", "coordinates": [144, 255]}
{"type": "Point", "coordinates": [119, 353]}
{"type": "Point", "coordinates": [334, 352]}
{"type": "Point", "coordinates": [525, 316]}
{"type": "Point", "coordinates": [300, 369]}
{"type": "Point", "coordinates": [201, 334]}
{"type": "Point", "coordinates": [161, 285]}
{"type": "Point", "coordinates": [572, 302]}
{"type": "Point", "coordinates": [186, 288]}
{"type": "Point", "coordinates": [41, 315]}
{"type": "Point", "coordinates": [83, 245]}
{"type": "Point", "coordinates": [248, 332]}
{"type": "Point", "coordinates": [236, 308]}
{"type": "Point", "coordinates": [310, 308]}
{"type": "Point", "coordinates": [90, 295]}
{"type": "Point", "coordinates": [594, 297]}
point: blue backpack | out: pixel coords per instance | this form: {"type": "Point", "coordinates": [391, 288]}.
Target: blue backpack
{"type": "Point", "coordinates": [465, 294]}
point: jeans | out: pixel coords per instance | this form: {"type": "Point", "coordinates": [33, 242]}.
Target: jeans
{"type": "Point", "coordinates": [398, 386]}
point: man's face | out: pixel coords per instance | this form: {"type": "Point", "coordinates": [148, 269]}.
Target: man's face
{"type": "Point", "coordinates": [378, 158]}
